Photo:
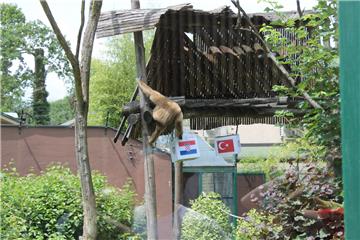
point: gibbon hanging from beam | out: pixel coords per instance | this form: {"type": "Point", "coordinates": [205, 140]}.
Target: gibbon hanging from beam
{"type": "Point", "coordinates": [167, 113]}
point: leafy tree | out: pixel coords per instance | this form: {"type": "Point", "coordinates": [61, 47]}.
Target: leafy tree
{"type": "Point", "coordinates": [113, 80]}
{"type": "Point", "coordinates": [315, 62]}
{"type": "Point", "coordinates": [21, 38]}
{"type": "Point", "coordinates": [42, 44]}
{"type": "Point", "coordinates": [12, 37]}
{"type": "Point", "coordinates": [61, 110]}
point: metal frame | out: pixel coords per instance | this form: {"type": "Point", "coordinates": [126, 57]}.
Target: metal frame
{"type": "Point", "coordinates": [202, 170]}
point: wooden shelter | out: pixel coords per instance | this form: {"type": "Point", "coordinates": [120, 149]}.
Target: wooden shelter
{"type": "Point", "coordinates": [213, 65]}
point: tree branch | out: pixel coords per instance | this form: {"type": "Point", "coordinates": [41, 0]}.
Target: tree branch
{"type": "Point", "coordinates": [122, 227]}
{"type": "Point", "coordinates": [73, 60]}
{"type": "Point", "coordinates": [292, 81]}
{"type": "Point", "coordinates": [80, 29]}
{"type": "Point", "coordinates": [88, 43]}
{"type": "Point", "coordinates": [238, 21]}
{"type": "Point", "coordinates": [58, 33]}
{"type": "Point", "coordinates": [299, 8]}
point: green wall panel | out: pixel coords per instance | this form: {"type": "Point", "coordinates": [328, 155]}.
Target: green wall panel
{"type": "Point", "coordinates": [349, 18]}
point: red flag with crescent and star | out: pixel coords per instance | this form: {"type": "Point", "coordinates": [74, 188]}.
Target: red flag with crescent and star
{"type": "Point", "coordinates": [227, 145]}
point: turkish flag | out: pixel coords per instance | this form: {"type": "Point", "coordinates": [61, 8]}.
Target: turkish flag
{"type": "Point", "coordinates": [226, 146]}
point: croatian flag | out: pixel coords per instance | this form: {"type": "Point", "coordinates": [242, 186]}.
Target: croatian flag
{"type": "Point", "coordinates": [227, 145]}
{"type": "Point", "coordinates": [187, 149]}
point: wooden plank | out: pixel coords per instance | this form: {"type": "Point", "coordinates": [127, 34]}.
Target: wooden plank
{"type": "Point", "coordinates": [239, 51]}
{"type": "Point", "coordinates": [350, 114]}
{"type": "Point", "coordinates": [189, 104]}
{"type": "Point", "coordinates": [182, 84]}
{"type": "Point", "coordinates": [202, 44]}
{"type": "Point", "coordinates": [189, 92]}
{"type": "Point", "coordinates": [126, 21]}
{"type": "Point", "coordinates": [158, 50]}
{"type": "Point", "coordinates": [250, 112]}
{"type": "Point", "coordinates": [173, 46]}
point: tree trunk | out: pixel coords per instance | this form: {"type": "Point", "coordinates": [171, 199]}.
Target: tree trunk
{"type": "Point", "coordinates": [84, 170]}
{"type": "Point", "coordinates": [41, 107]}
{"type": "Point", "coordinates": [81, 72]}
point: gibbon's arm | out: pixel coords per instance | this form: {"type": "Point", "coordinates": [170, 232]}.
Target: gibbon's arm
{"type": "Point", "coordinates": [166, 112]}
{"type": "Point", "coordinates": [154, 96]}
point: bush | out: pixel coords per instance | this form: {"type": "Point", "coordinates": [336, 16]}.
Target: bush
{"type": "Point", "coordinates": [48, 206]}
{"type": "Point", "coordinates": [257, 225]}
{"type": "Point", "coordinates": [299, 192]}
{"type": "Point", "coordinates": [207, 219]}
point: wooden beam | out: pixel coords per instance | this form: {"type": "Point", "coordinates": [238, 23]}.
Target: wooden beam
{"type": "Point", "coordinates": [243, 112]}
{"type": "Point", "coordinates": [194, 104]}
{"type": "Point", "coordinates": [149, 170]}
{"type": "Point", "coordinates": [124, 117]}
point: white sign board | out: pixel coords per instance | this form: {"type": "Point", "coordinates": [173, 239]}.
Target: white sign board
{"type": "Point", "coordinates": [227, 145]}
{"type": "Point", "coordinates": [187, 149]}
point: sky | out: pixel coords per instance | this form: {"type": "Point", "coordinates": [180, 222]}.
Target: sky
{"type": "Point", "coordinates": [67, 15]}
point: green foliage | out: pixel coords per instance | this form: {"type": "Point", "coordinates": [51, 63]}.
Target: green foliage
{"type": "Point", "coordinates": [279, 158]}
{"type": "Point", "coordinates": [316, 63]}
{"type": "Point", "coordinates": [48, 206]}
{"type": "Point", "coordinates": [288, 197]}
{"type": "Point", "coordinates": [113, 80]}
{"type": "Point", "coordinates": [12, 35]}
{"type": "Point", "coordinates": [61, 110]}
{"type": "Point", "coordinates": [257, 225]}
{"type": "Point", "coordinates": [19, 39]}
{"type": "Point", "coordinates": [207, 219]}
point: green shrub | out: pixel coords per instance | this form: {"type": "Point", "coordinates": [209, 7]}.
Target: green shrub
{"type": "Point", "coordinates": [298, 191]}
{"type": "Point", "coordinates": [207, 219]}
{"type": "Point", "coordinates": [48, 206]}
{"type": "Point", "coordinates": [257, 225]}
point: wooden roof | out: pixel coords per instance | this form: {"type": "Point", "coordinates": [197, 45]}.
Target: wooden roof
{"type": "Point", "coordinates": [8, 118]}
{"type": "Point", "coordinates": [220, 70]}
{"type": "Point", "coordinates": [131, 20]}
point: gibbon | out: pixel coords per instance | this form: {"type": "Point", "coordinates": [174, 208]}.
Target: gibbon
{"type": "Point", "coordinates": [167, 113]}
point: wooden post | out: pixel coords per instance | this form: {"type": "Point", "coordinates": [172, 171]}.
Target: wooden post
{"type": "Point", "coordinates": [349, 22]}
{"type": "Point", "coordinates": [149, 172]}
{"type": "Point", "coordinates": [177, 199]}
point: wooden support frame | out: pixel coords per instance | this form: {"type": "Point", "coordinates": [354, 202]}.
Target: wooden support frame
{"type": "Point", "coordinates": [149, 170]}
{"type": "Point", "coordinates": [349, 22]}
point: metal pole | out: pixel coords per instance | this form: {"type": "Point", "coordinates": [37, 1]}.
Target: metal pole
{"type": "Point", "coordinates": [350, 114]}
{"type": "Point", "coordinates": [149, 172]}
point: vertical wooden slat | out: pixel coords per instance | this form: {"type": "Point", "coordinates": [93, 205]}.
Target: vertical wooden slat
{"type": "Point", "coordinates": [173, 55]}
{"type": "Point", "coordinates": [182, 23]}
